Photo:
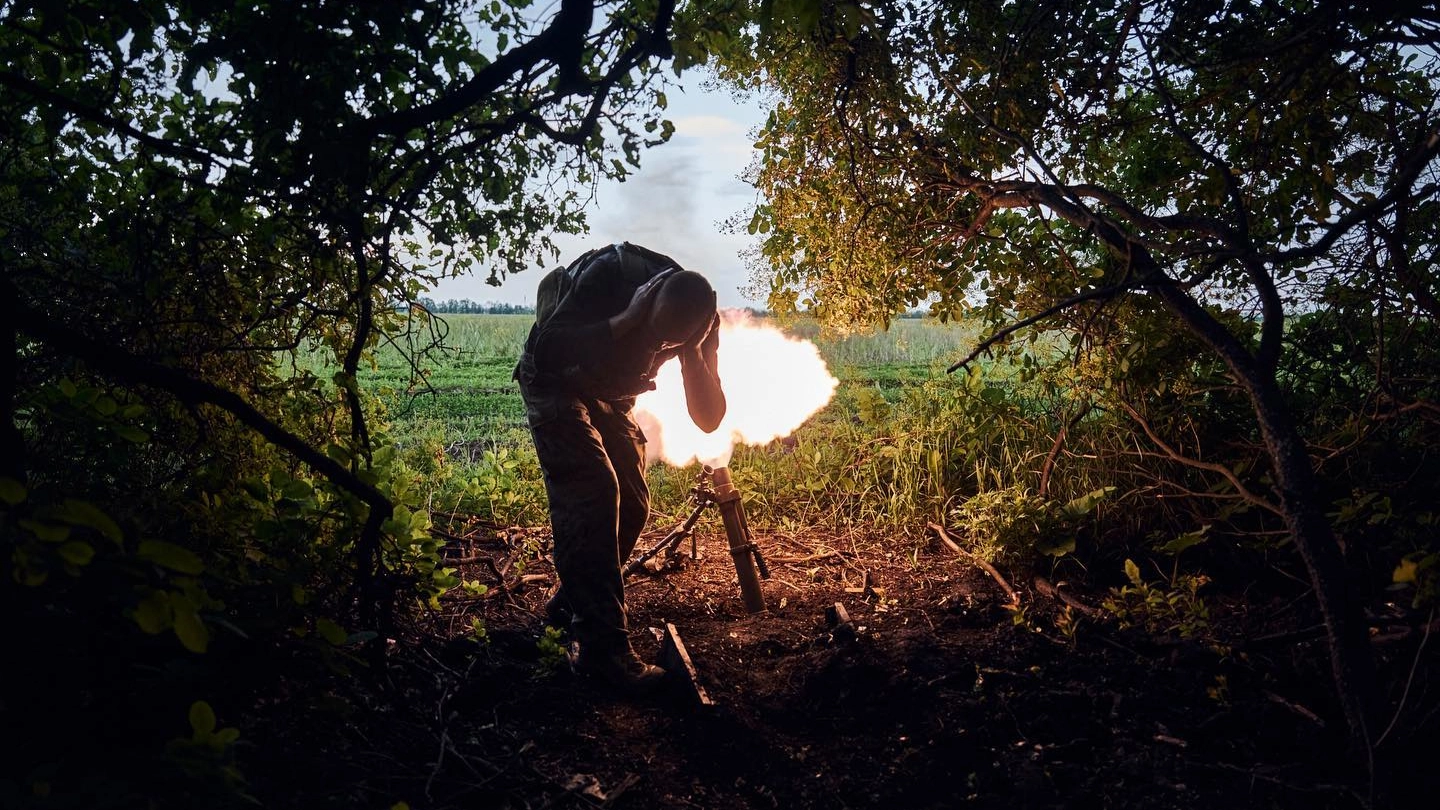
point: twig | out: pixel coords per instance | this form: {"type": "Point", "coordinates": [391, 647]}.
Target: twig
{"type": "Point", "coordinates": [439, 759]}
{"type": "Point", "coordinates": [1408, 681]}
{"type": "Point", "coordinates": [1303, 634]}
{"type": "Point", "coordinates": [482, 559]}
{"type": "Point", "coordinates": [1296, 708]}
{"type": "Point", "coordinates": [474, 558]}
{"type": "Point", "coordinates": [452, 537]}
{"type": "Point", "coordinates": [1404, 633]}
{"type": "Point", "coordinates": [1045, 588]}
{"type": "Point", "coordinates": [1002, 334]}
{"type": "Point", "coordinates": [515, 584]}
{"type": "Point", "coordinates": [975, 558]}
{"type": "Point", "coordinates": [786, 583]}
{"type": "Point", "coordinates": [1224, 471]}
{"type": "Point", "coordinates": [495, 770]}
{"type": "Point", "coordinates": [469, 518]}
{"type": "Point", "coordinates": [1256, 773]}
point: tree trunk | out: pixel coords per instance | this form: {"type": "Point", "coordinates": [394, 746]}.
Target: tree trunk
{"type": "Point", "coordinates": [1351, 663]}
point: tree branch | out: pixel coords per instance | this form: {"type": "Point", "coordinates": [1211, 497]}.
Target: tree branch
{"type": "Point", "coordinates": [1424, 152]}
{"type": "Point", "coordinates": [1005, 332]}
{"type": "Point", "coordinates": [126, 367]}
{"type": "Point", "coordinates": [12, 443]}
{"type": "Point", "coordinates": [1221, 469]}
{"type": "Point", "coordinates": [43, 94]}
{"type": "Point", "coordinates": [1273, 321]}
{"type": "Point", "coordinates": [561, 40]}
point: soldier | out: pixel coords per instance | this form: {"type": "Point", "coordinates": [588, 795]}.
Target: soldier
{"type": "Point", "coordinates": [604, 326]}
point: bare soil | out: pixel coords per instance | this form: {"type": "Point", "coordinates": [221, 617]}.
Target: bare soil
{"type": "Point", "coordinates": [939, 693]}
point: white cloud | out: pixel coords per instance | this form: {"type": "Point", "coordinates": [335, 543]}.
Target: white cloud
{"type": "Point", "coordinates": [709, 126]}
{"type": "Point", "coordinates": [675, 203]}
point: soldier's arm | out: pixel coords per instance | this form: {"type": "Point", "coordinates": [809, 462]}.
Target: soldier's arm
{"type": "Point", "coordinates": [704, 397]}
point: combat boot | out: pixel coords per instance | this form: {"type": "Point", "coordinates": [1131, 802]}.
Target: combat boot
{"type": "Point", "coordinates": [558, 612]}
{"type": "Point", "coordinates": [620, 669]}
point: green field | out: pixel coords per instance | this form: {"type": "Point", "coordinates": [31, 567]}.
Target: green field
{"type": "Point", "coordinates": [458, 403]}
{"type": "Point", "coordinates": [466, 395]}
{"type": "Point", "coordinates": [463, 393]}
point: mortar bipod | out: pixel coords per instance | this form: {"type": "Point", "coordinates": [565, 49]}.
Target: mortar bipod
{"type": "Point", "coordinates": [714, 485]}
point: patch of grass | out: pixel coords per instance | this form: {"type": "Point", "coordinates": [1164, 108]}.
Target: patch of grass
{"type": "Point", "coordinates": [461, 390]}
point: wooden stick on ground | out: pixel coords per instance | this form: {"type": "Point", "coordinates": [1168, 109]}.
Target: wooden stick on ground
{"type": "Point", "coordinates": [1044, 586]}
{"type": "Point", "coordinates": [975, 558]}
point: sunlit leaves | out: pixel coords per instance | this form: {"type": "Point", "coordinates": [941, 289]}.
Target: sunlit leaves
{"type": "Point", "coordinates": [204, 729]}
{"type": "Point", "coordinates": [330, 631]}
{"type": "Point", "coordinates": [883, 134]}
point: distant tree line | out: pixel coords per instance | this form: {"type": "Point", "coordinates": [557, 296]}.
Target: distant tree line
{"type": "Point", "coordinates": [464, 306]}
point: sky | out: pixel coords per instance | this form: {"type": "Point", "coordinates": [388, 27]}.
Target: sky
{"type": "Point", "coordinates": [675, 203]}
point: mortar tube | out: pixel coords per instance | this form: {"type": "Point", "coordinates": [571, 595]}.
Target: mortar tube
{"type": "Point", "coordinates": [727, 497]}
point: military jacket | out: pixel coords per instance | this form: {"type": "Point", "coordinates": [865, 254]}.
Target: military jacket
{"type": "Point", "coordinates": [573, 353]}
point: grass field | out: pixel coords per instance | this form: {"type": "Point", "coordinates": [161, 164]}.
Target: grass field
{"type": "Point", "coordinates": [458, 402]}
{"type": "Point", "coordinates": [468, 400]}
{"type": "Point", "coordinates": [466, 397]}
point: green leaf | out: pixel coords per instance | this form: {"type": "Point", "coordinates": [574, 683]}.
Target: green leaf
{"type": "Point", "coordinates": [48, 532]}
{"type": "Point", "coordinates": [189, 627]}
{"type": "Point", "coordinates": [1058, 548]}
{"type": "Point", "coordinates": [153, 614]}
{"type": "Point", "coordinates": [12, 492]}
{"type": "Point", "coordinates": [1086, 503]}
{"type": "Point", "coordinates": [330, 631]}
{"type": "Point", "coordinates": [132, 434]}
{"type": "Point", "coordinates": [202, 720]}
{"type": "Point", "coordinates": [297, 489]}
{"type": "Point", "coordinates": [67, 387]}
{"type": "Point", "coordinates": [77, 552]}
{"type": "Point", "coordinates": [82, 513]}
{"type": "Point", "coordinates": [256, 487]}
{"type": "Point", "coordinates": [1186, 540]}
{"type": "Point", "coordinates": [169, 555]}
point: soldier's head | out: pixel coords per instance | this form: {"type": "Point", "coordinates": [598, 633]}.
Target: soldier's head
{"type": "Point", "coordinates": [684, 306]}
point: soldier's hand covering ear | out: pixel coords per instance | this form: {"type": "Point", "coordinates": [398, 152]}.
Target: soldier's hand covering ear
{"type": "Point", "coordinates": [644, 298]}
{"type": "Point", "coordinates": [707, 340]}
{"type": "Point", "coordinates": [637, 312]}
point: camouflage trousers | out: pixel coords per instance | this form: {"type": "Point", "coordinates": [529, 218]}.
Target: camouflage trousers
{"type": "Point", "coordinates": [592, 454]}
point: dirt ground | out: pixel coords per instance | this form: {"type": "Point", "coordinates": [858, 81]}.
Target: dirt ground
{"type": "Point", "coordinates": [936, 694]}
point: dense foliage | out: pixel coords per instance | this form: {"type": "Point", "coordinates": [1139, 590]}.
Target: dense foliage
{"type": "Point", "coordinates": [196, 199]}
{"type": "Point", "coordinates": [1202, 238]}
{"type": "Point", "coordinates": [1205, 198]}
